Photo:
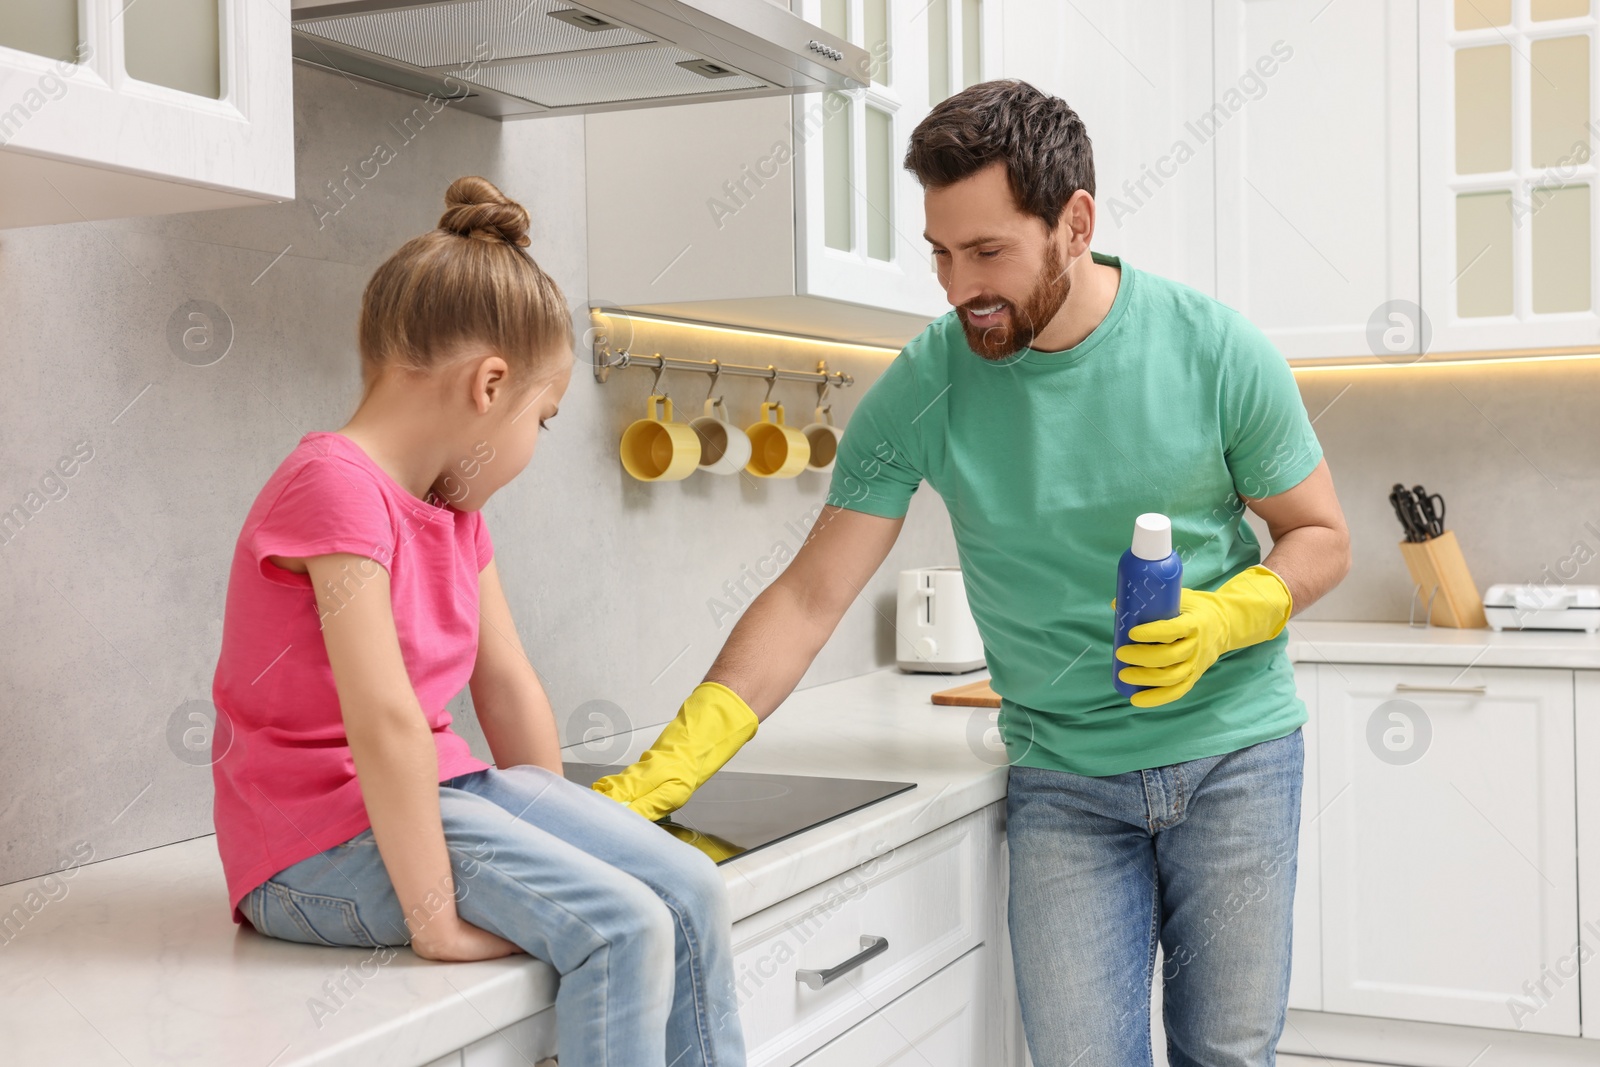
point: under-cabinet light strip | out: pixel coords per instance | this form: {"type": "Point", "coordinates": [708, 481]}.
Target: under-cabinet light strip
{"type": "Point", "coordinates": [768, 335]}
{"type": "Point", "coordinates": [1440, 364]}
{"type": "Point", "coordinates": [1499, 359]}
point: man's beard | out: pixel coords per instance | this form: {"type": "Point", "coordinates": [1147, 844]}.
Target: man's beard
{"type": "Point", "coordinates": [1047, 298]}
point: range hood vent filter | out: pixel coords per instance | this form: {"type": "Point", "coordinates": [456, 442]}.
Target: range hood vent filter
{"type": "Point", "coordinates": [456, 34]}
{"type": "Point", "coordinates": [636, 74]}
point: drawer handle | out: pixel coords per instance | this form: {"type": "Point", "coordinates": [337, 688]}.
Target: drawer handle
{"type": "Point", "coordinates": [1403, 687]}
{"type": "Point", "coordinates": [871, 945]}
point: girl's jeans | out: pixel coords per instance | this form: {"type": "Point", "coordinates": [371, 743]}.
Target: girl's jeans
{"type": "Point", "coordinates": [635, 921]}
{"type": "Point", "coordinates": [1198, 857]}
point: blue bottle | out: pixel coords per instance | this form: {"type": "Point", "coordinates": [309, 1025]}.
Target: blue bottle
{"type": "Point", "coordinates": [1149, 585]}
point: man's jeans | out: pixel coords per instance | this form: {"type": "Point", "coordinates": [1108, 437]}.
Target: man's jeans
{"type": "Point", "coordinates": [634, 921]}
{"type": "Point", "coordinates": [1198, 856]}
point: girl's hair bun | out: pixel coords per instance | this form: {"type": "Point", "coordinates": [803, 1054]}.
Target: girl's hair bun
{"type": "Point", "coordinates": [475, 208]}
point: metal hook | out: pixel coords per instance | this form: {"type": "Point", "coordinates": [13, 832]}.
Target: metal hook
{"type": "Point", "coordinates": [655, 386]}
{"type": "Point", "coordinates": [772, 379]}
{"type": "Point", "coordinates": [716, 370]}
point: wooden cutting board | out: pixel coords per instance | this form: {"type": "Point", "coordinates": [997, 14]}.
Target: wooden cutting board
{"type": "Point", "coordinates": [972, 695]}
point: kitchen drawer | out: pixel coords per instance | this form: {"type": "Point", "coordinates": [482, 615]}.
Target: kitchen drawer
{"type": "Point", "coordinates": [937, 1024]}
{"type": "Point", "coordinates": [524, 1042]}
{"type": "Point", "coordinates": [927, 898]}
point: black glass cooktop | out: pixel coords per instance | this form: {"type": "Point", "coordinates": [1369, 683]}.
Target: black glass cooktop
{"type": "Point", "coordinates": [736, 812]}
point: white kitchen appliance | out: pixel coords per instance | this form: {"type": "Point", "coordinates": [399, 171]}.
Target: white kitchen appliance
{"type": "Point", "coordinates": [934, 629]}
{"type": "Point", "coordinates": [1542, 607]}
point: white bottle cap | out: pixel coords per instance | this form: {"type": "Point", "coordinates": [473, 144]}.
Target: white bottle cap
{"type": "Point", "coordinates": [1152, 536]}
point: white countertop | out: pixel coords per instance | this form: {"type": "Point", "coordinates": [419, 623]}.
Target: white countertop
{"type": "Point", "coordinates": [135, 960]}
{"type": "Point", "coordinates": [1399, 643]}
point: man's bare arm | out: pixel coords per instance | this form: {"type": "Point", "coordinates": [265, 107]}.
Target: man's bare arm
{"type": "Point", "coordinates": [785, 627]}
{"type": "Point", "coordinates": [1310, 541]}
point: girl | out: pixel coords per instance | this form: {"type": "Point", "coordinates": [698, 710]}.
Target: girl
{"type": "Point", "coordinates": [347, 810]}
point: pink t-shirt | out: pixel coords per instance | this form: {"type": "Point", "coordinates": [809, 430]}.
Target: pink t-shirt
{"type": "Point", "coordinates": [286, 785]}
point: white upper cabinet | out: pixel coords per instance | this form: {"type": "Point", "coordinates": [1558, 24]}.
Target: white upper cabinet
{"type": "Point", "coordinates": [861, 235]}
{"type": "Point", "coordinates": [134, 107]}
{"type": "Point", "coordinates": [1139, 75]}
{"type": "Point", "coordinates": [792, 214]}
{"type": "Point", "coordinates": [1314, 119]}
{"type": "Point", "coordinates": [1507, 175]}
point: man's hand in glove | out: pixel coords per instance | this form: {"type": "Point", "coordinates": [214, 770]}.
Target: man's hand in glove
{"type": "Point", "coordinates": [1171, 655]}
{"type": "Point", "coordinates": [710, 727]}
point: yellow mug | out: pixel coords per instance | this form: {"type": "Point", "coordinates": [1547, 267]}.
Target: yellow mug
{"type": "Point", "coordinates": [658, 449]}
{"type": "Point", "coordinates": [776, 450]}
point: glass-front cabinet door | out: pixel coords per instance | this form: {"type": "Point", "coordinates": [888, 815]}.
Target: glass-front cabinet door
{"type": "Point", "coordinates": [1507, 94]}
{"type": "Point", "coordinates": [859, 211]}
{"type": "Point", "coordinates": [126, 107]}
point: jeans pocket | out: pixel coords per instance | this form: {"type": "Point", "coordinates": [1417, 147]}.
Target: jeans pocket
{"type": "Point", "coordinates": [310, 918]}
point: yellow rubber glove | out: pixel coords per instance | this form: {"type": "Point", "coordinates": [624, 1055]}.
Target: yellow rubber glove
{"type": "Point", "coordinates": [1252, 606]}
{"type": "Point", "coordinates": [711, 726]}
{"type": "Point", "coordinates": [717, 848]}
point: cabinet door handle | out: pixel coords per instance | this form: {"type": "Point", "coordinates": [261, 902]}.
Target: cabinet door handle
{"type": "Point", "coordinates": [1404, 687]}
{"type": "Point", "coordinates": [871, 945]}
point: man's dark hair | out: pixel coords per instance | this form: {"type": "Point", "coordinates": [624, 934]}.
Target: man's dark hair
{"type": "Point", "coordinates": [1040, 139]}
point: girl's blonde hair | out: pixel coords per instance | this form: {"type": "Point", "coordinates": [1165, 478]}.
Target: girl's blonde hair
{"type": "Point", "coordinates": [469, 281]}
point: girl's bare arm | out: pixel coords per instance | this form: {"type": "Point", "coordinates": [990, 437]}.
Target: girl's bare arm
{"type": "Point", "coordinates": [394, 754]}
{"type": "Point", "coordinates": [512, 708]}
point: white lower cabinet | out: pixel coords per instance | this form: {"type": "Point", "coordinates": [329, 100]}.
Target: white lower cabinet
{"type": "Point", "coordinates": [1305, 975]}
{"type": "Point", "coordinates": [939, 1023]}
{"type": "Point", "coordinates": [1586, 949]}
{"type": "Point", "coordinates": [926, 903]}
{"type": "Point", "coordinates": [1447, 844]}
{"type": "Point", "coordinates": [902, 959]}
{"type": "Point", "coordinates": [528, 1041]}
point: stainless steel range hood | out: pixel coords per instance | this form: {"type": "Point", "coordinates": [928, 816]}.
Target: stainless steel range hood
{"type": "Point", "coordinates": [525, 58]}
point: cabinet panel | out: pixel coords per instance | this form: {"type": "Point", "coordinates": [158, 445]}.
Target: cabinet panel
{"type": "Point", "coordinates": [527, 1041]}
{"type": "Point", "coordinates": [937, 1024]}
{"type": "Point", "coordinates": [1305, 978]}
{"type": "Point", "coordinates": [858, 211]}
{"type": "Point", "coordinates": [1139, 75]}
{"type": "Point", "coordinates": [1315, 124]}
{"type": "Point", "coordinates": [789, 214]}
{"type": "Point", "coordinates": [87, 138]}
{"type": "Point", "coordinates": [927, 898]}
{"type": "Point", "coordinates": [1586, 700]}
{"type": "Point", "coordinates": [690, 202]}
{"type": "Point", "coordinates": [1447, 831]}
{"type": "Point", "coordinates": [1508, 177]}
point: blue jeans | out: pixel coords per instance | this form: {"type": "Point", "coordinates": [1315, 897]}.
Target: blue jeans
{"type": "Point", "coordinates": [635, 922]}
{"type": "Point", "coordinates": [1198, 856]}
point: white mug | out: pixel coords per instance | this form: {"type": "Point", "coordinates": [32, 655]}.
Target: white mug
{"type": "Point", "coordinates": [724, 448]}
{"type": "Point", "coordinates": [824, 438]}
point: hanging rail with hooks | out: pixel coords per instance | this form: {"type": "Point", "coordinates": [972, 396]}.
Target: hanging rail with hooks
{"type": "Point", "coordinates": [606, 361]}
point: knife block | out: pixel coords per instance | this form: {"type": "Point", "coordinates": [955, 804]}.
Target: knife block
{"type": "Point", "coordinates": [1439, 572]}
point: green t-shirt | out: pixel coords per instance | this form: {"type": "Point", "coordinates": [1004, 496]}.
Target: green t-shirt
{"type": "Point", "coordinates": [1176, 404]}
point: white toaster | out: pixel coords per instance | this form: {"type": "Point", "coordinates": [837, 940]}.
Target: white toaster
{"type": "Point", "coordinates": [934, 629]}
{"type": "Point", "coordinates": [1541, 607]}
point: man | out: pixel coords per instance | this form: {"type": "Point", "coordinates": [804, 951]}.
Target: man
{"type": "Point", "coordinates": [1066, 394]}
